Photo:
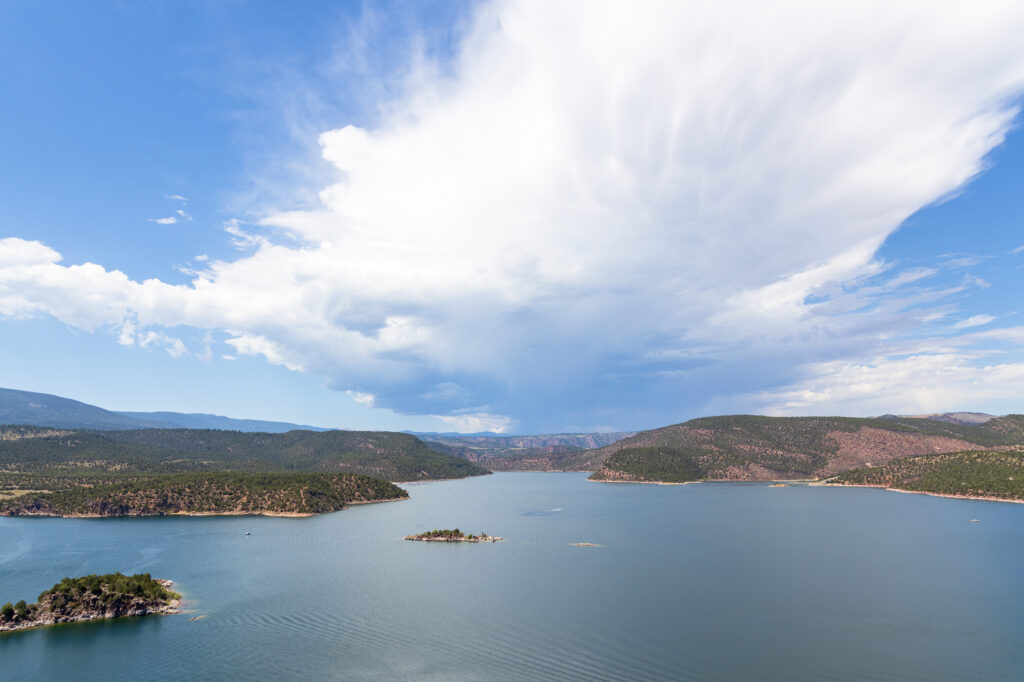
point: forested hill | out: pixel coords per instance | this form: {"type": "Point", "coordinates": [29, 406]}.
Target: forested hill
{"type": "Point", "coordinates": [390, 456]}
{"type": "Point", "coordinates": [745, 447]}
{"type": "Point", "coordinates": [208, 493]}
{"type": "Point", "coordinates": [964, 474]}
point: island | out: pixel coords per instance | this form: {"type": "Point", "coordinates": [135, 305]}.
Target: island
{"type": "Point", "coordinates": [226, 493]}
{"type": "Point", "coordinates": [92, 597]}
{"type": "Point", "coordinates": [452, 536]}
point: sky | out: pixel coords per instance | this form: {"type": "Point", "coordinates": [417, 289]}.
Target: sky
{"type": "Point", "coordinates": [517, 216]}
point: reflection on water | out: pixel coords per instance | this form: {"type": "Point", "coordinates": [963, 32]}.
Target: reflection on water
{"type": "Point", "coordinates": [702, 582]}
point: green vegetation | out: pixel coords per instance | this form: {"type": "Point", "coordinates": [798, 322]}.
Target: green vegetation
{"type": "Point", "coordinates": [517, 453]}
{"type": "Point", "coordinates": [662, 464]}
{"type": "Point", "coordinates": [86, 454]}
{"type": "Point", "coordinates": [208, 493]}
{"type": "Point", "coordinates": [974, 473]}
{"type": "Point", "coordinates": [451, 536]}
{"type": "Point", "coordinates": [89, 597]}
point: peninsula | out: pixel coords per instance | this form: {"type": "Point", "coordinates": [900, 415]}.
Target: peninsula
{"type": "Point", "coordinates": [452, 536]}
{"type": "Point", "coordinates": [92, 597]}
{"type": "Point", "coordinates": [977, 474]}
{"type": "Point", "coordinates": [208, 494]}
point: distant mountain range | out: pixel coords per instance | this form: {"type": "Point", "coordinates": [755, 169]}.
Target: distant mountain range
{"type": "Point", "coordinates": [495, 449]}
{"type": "Point", "coordinates": [43, 409]}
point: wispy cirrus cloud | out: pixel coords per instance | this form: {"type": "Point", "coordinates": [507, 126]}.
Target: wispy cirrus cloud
{"type": "Point", "coordinates": [974, 321]}
{"type": "Point", "coordinates": [179, 214]}
{"type": "Point", "coordinates": [601, 214]}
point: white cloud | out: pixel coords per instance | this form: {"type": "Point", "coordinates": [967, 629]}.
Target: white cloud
{"type": "Point", "coordinates": [973, 321]}
{"type": "Point", "coordinates": [361, 398]}
{"type": "Point", "coordinates": [963, 261]}
{"type": "Point", "coordinates": [1019, 249]}
{"type": "Point", "coordinates": [176, 197]}
{"type": "Point", "coordinates": [909, 276]}
{"type": "Point", "coordinates": [594, 199]}
{"type": "Point", "coordinates": [169, 220]}
{"type": "Point", "coordinates": [130, 335]}
{"type": "Point", "coordinates": [977, 281]}
{"type": "Point", "coordinates": [258, 345]}
{"type": "Point", "coordinates": [913, 385]}
{"type": "Point", "coordinates": [15, 253]}
{"type": "Point", "coordinates": [477, 422]}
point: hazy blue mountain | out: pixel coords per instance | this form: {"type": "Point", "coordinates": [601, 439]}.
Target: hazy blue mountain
{"type": "Point", "coordinates": [43, 409]}
{"type": "Point", "coordinates": [199, 420]}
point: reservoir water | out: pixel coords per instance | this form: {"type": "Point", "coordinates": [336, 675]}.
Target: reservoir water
{"type": "Point", "coordinates": [699, 582]}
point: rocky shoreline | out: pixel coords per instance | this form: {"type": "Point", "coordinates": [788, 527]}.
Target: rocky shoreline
{"type": "Point", "coordinates": [45, 613]}
{"type": "Point", "coordinates": [283, 514]}
{"type": "Point", "coordinates": [452, 536]}
{"type": "Point", "coordinates": [983, 498]}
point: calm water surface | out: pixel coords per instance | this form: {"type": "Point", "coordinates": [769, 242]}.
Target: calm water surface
{"type": "Point", "coordinates": [698, 582]}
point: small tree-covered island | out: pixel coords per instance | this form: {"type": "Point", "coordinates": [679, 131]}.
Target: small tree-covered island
{"type": "Point", "coordinates": [92, 597]}
{"type": "Point", "coordinates": [452, 536]}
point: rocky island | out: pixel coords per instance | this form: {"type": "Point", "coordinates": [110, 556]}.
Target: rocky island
{"type": "Point", "coordinates": [452, 536]}
{"type": "Point", "coordinates": [92, 597]}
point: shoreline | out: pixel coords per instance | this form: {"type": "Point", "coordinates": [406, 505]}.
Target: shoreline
{"type": "Point", "coordinates": [601, 480]}
{"type": "Point", "coordinates": [778, 482]}
{"type": "Point", "coordinates": [283, 514]}
{"type": "Point", "coordinates": [951, 496]}
{"type": "Point", "coordinates": [170, 609]}
{"type": "Point", "coordinates": [173, 606]}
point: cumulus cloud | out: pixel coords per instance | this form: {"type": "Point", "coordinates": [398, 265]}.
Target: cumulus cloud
{"type": "Point", "coordinates": [599, 211]}
{"type": "Point", "coordinates": [169, 220]}
{"type": "Point", "coordinates": [362, 398]}
{"type": "Point", "coordinates": [926, 383]}
{"type": "Point", "coordinates": [477, 422]}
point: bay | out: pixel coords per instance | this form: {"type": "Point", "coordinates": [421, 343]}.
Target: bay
{"type": "Point", "coordinates": [717, 581]}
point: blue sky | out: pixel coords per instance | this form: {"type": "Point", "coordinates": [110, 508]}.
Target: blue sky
{"type": "Point", "coordinates": [516, 216]}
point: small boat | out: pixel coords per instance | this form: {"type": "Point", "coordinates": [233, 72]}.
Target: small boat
{"type": "Point", "coordinates": [972, 520]}
{"type": "Point", "coordinates": [248, 533]}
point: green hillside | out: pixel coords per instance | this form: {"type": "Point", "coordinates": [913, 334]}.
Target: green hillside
{"type": "Point", "coordinates": [975, 473]}
{"type": "Point", "coordinates": [662, 464]}
{"type": "Point", "coordinates": [70, 452]}
{"type": "Point", "coordinates": [207, 493]}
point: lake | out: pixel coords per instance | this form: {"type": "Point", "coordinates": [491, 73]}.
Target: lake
{"type": "Point", "coordinates": [715, 581]}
